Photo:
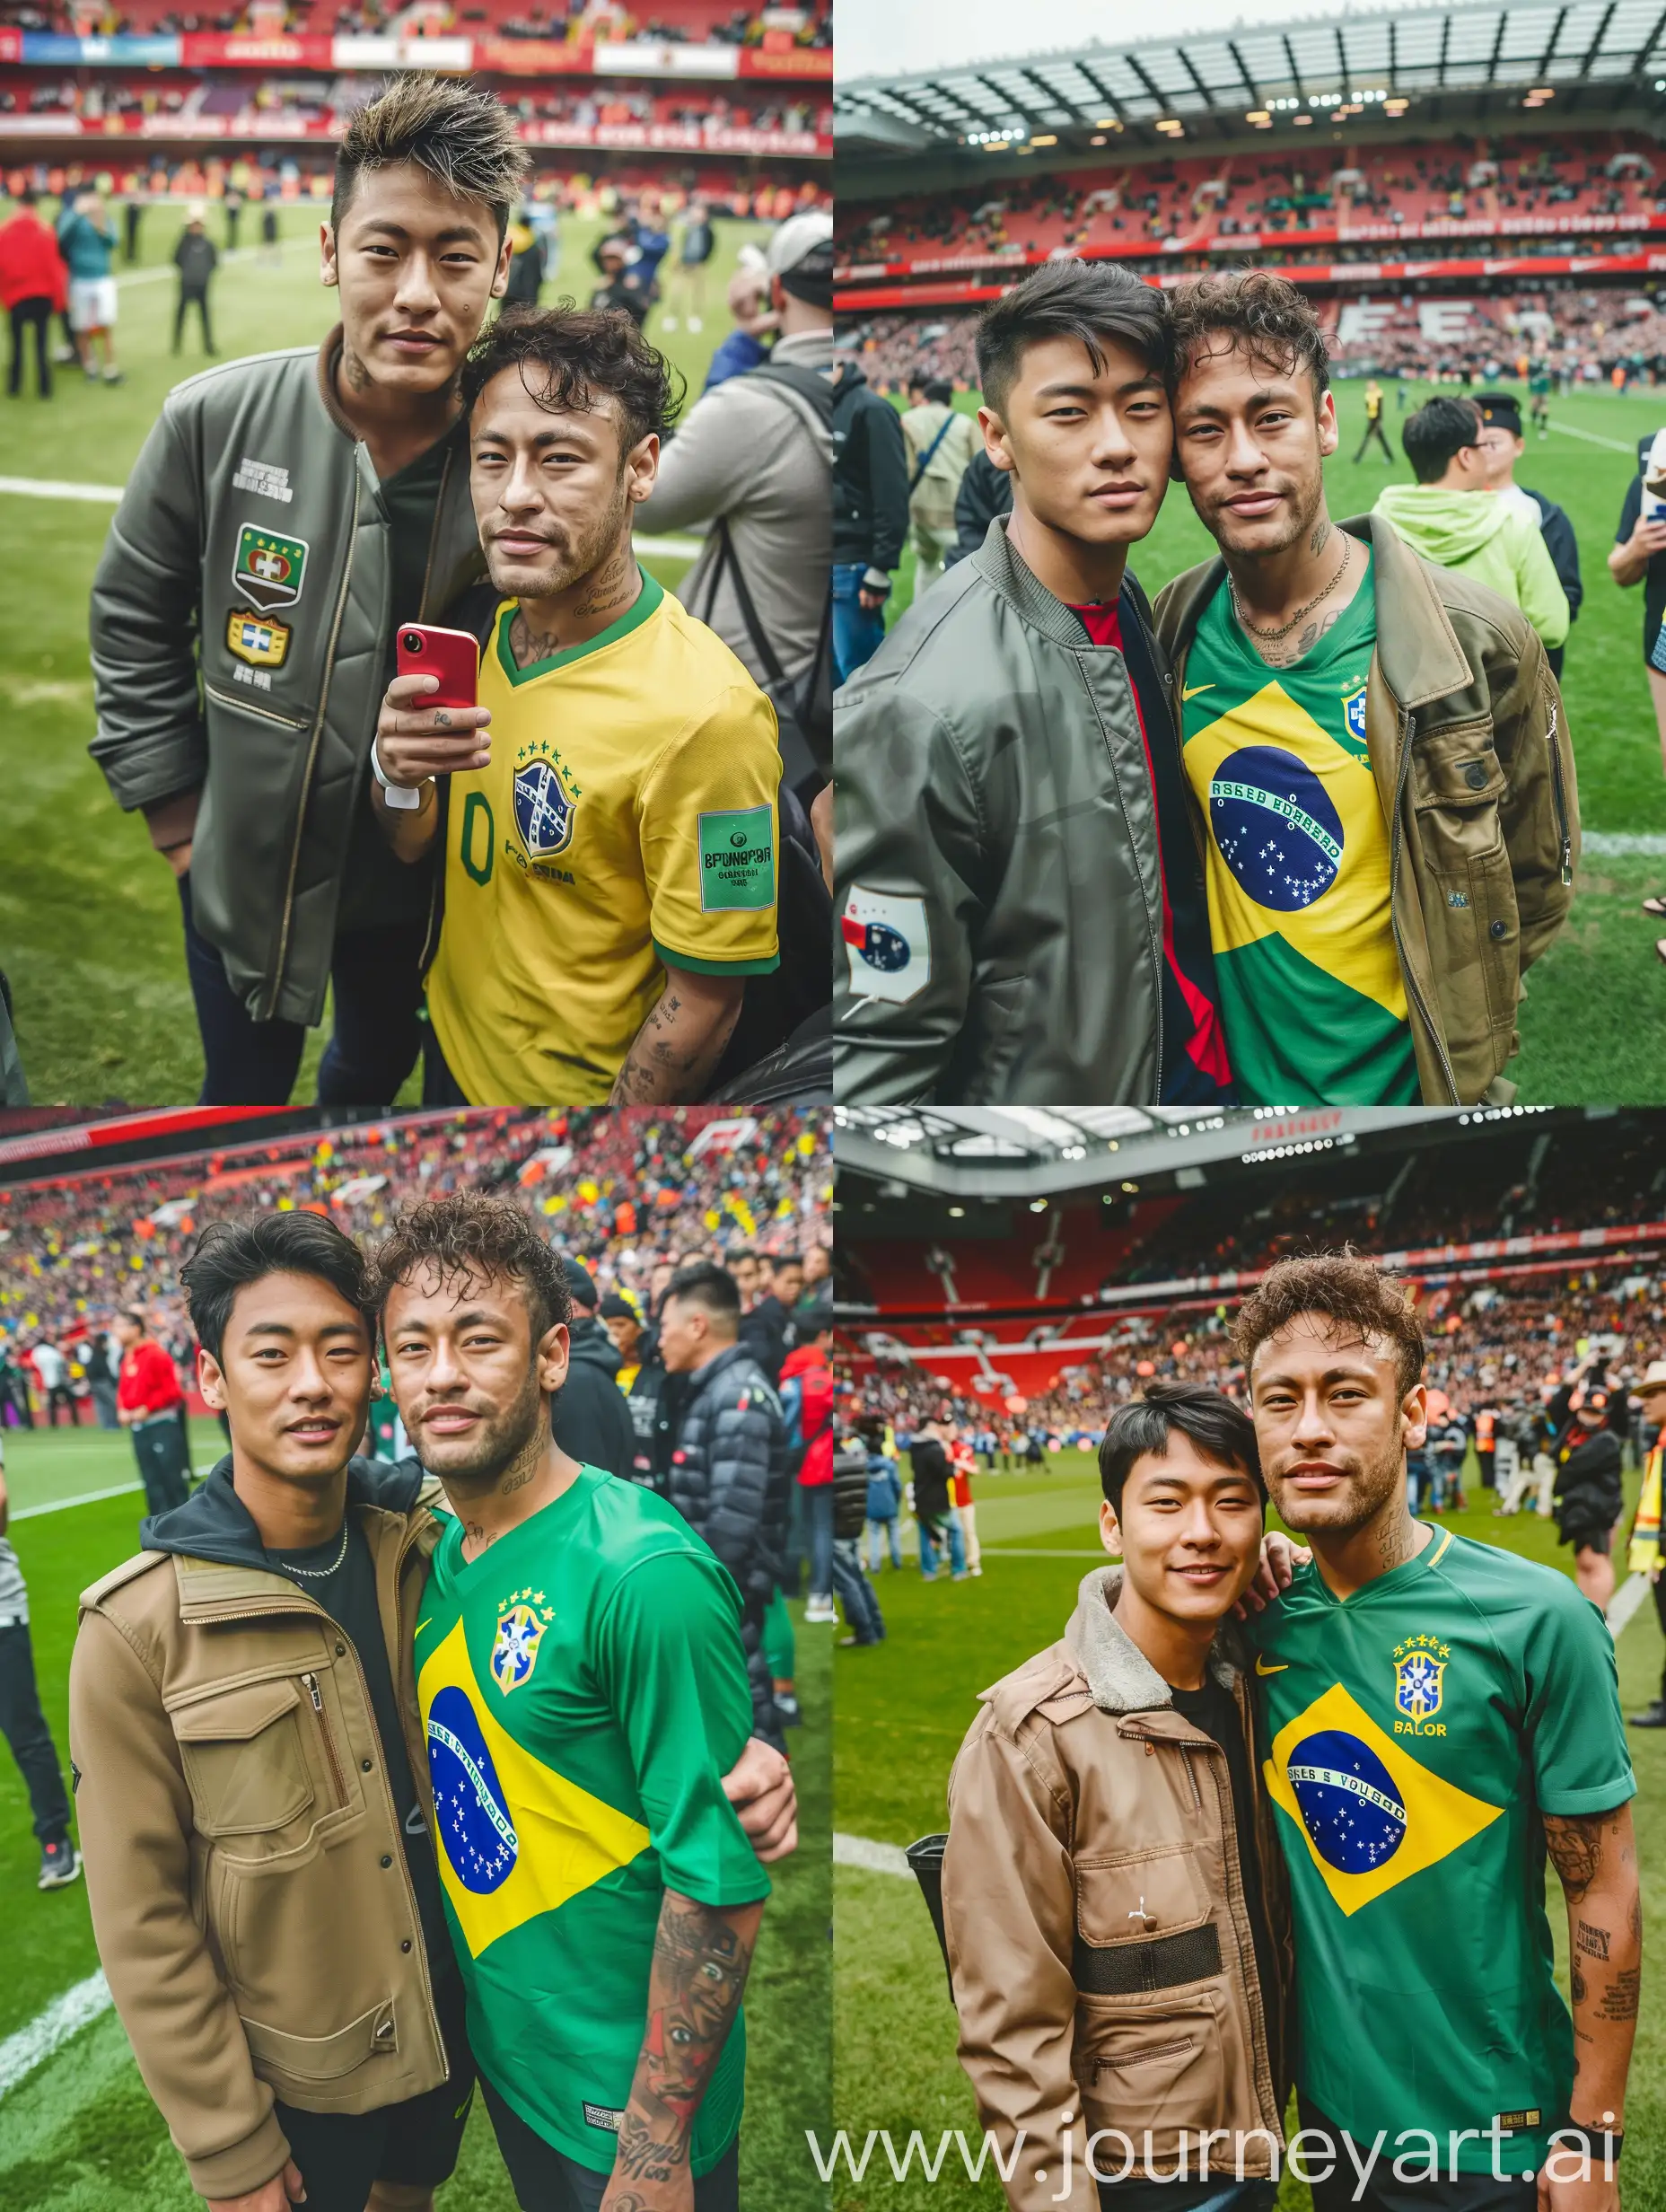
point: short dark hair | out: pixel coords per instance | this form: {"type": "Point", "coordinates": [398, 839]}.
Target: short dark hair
{"type": "Point", "coordinates": [135, 1314]}
{"type": "Point", "coordinates": [940, 392]}
{"type": "Point", "coordinates": [1089, 301]}
{"type": "Point", "coordinates": [580, 1284]}
{"type": "Point", "coordinates": [704, 1284]}
{"type": "Point", "coordinates": [1220, 1430]}
{"type": "Point", "coordinates": [1440, 428]}
{"type": "Point", "coordinates": [467, 1234]}
{"type": "Point", "coordinates": [1256, 314]}
{"type": "Point", "coordinates": [1360, 1299]}
{"type": "Point", "coordinates": [779, 1260]}
{"type": "Point", "coordinates": [229, 1255]}
{"type": "Point", "coordinates": [466, 139]}
{"type": "Point", "coordinates": [577, 357]}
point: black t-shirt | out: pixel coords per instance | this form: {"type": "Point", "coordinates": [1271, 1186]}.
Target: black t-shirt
{"type": "Point", "coordinates": [1654, 579]}
{"type": "Point", "coordinates": [348, 1596]}
{"type": "Point", "coordinates": [377, 888]}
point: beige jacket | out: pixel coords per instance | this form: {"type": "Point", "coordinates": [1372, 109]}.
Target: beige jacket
{"type": "Point", "coordinates": [1099, 1940]}
{"type": "Point", "coordinates": [254, 1915]}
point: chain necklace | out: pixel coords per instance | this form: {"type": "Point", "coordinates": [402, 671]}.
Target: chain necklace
{"type": "Point", "coordinates": [1272, 637]}
{"type": "Point", "coordinates": [317, 1574]}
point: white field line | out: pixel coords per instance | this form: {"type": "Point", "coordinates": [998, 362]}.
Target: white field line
{"type": "Point", "coordinates": [1625, 1603]}
{"type": "Point", "coordinates": [1591, 437]}
{"type": "Point", "coordinates": [63, 1505]}
{"type": "Point", "coordinates": [873, 1858]}
{"type": "Point", "coordinates": [1612, 844]}
{"type": "Point", "coordinates": [22, 2053]}
{"type": "Point", "coordinates": [165, 270]}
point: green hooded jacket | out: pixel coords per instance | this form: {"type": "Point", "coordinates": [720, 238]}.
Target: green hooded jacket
{"type": "Point", "coordinates": [1485, 538]}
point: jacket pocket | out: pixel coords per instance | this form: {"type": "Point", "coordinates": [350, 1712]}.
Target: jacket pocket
{"type": "Point", "coordinates": [1133, 1897]}
{"type": "Point", "coordinates": [283, 2057]}
{"type": "Point", "coordinates": [245, 1762]}
{"type": "Point", "coordinates": [1469, 890]}
{"type": "Point", "coordinates": [1162, 2070]}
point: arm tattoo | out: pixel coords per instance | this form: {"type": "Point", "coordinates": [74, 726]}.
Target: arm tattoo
{"type": "Point", "coordinates": [700, 1964]}
{"type": "Point", "coordinates": [1591, 1940]}
{"type": "Point", "coordinates": [1575, 1842]}
{"type": "Point", "coordinates": [1619, 1999]}
{"type": "Point", "coordinates": [664, 1066]}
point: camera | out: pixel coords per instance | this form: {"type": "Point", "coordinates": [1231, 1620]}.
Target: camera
{"type": "Point", "coordinates": [413, 641]}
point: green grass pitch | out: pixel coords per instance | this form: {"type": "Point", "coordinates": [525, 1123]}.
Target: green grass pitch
{"type": "Point", "coordinates": [903, 1707]}
{"type": "Point", "coordinates": [1593, 1024]}
{"type": "Point", "coordinates": [89, 914]}
{"type": "Point", "coordinates": [79, 2134]}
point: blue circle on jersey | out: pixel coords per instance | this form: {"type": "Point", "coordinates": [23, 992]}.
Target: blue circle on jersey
{"type": "Point", "coordinates": [884, 947]}
{"type": "Point", "coordinates": [1348, 1803]}
{"type": "Point", "coordinates": [1276, 828]}
{"type": "Point", "coordinates": [470, 1808]}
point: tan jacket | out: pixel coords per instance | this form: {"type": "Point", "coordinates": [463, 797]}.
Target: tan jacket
{"type": "Point", "coordinates": [250, 1894]}
{"type": "Point", "coordinates": [1099, 1941]}
{"type": "Point", "coordinates": [1474, 769]}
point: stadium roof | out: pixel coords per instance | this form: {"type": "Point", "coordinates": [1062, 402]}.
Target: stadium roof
{"type": "Point", "coordinates": [1581, 50]}
{"type": "Point", "coordinates": [995, 1152]}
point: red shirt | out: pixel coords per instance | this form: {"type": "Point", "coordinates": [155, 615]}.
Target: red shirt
{"type": "Point", "coordinates": [815, 1415]}
{"type": "Point", "coordinates": [30, 265]}
{"type": "Point", "coordinates": [148, 1382]}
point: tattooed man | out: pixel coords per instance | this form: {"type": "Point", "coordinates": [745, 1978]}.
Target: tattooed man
{"type": "Point", "coordinates": [584, 1688]}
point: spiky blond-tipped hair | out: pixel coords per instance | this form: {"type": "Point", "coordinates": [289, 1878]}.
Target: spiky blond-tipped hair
{"type": "Point", "coordinates": [464, 138]}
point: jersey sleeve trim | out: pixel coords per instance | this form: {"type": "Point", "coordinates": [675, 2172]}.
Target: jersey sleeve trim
{"type": "Point", "coordinates": [1596, 1797]}
{"type": "Point", "coordinates": [669, 957]}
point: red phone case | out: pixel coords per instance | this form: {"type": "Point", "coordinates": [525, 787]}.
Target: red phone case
{"type": "Point", "coordinates": [451, 655]}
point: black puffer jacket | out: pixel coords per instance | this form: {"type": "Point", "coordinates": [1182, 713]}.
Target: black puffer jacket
{"type": "Point", "coordinates": [591, 1419]}
{"type": "Point", "coordinates": [1589, 1494]}
{"type": "Point", "coordinates": [869, 475]}
{"type": "Point", "coordinates": [850, 1487]}
{"type": "Point", "coordinates": [729, 1481]}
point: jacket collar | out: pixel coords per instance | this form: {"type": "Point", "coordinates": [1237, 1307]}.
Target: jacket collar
{"type": "Point", "coordinates": [1013, 576]}
{"type": "Point", "coordinates": [328, 362]}
{"type": "Point", "coordinates": [1418, 649]}
{"type": "Point", "coordinates": [1120, 1678]}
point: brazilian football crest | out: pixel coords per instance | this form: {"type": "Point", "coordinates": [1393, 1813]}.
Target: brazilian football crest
{"type": "Point", "coordinates": [543, 811]}
{"type": "Point", "coordinates": [1419, 1665]}
{"type": "Point", "coordinates": [520, 1632]}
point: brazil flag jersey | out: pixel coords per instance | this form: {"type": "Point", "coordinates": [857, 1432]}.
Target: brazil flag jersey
{"type": "Point", "coordinates": [583, 1691]}
{"type": "Point", "coordinates": [1310, 982]}
{"type": "Point", "coordinates": [626, 820]}
{"type": "Point", "coordinates": [1418, 1730]}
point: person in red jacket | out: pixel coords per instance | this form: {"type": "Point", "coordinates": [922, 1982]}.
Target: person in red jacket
{"type": "Point", "coordinates": [807, 1402]}
{"type": "Point", "coordinates": [34, 286]}
{"type": "Point", "coordinates": [149, 1402]}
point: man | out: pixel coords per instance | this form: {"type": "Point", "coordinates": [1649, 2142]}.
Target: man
{"type": "Point", "coordinates": [610, 858]}
{"type": "Point", "coordinates": [1019, 892]}
{"type": "Point", "coordinates": [622, 1320]}
{"type": "Point", "coordinates": [1110, 1844]}
{"type": "Point", "coordinates": [1440, 1713]}
{"type": "Point", "coordinates": [985, 492]}
{"type": "Point", "coordinates": [768, 1329]}
{"type": "Point", "coordinates": [88, 246]}
{"type": "Point", "coordinates": [33, 288]}
{"type": "Point", "coordinates": [1589, 1494]}
{"type": "Point", "coordinates": [583, 1687]}
{"type": "Point", "coordinates": [934, 1515]}
{"type": "Point", "coordinates": [622, 290]}
{"type": "Point", "coordinates": [526, 266]}
{"type": "Point", "coordinates": [1373, 424]}
{"type": "Point", "coordinates": [940, 442]}
{"type": "Point", "coordinates": [593, 1423]}
{"type": "Point", "coordinates": [1489, 540]}
{"type": "Point", "coordinates": [805, 1382]}
{"type": "Point", "coordinates": [247, 1782]}
{"type": "Point", "coordinates": [23, 1724]}
{"type": "Point", "coordinates": [1360, 727]}
{"type": "Point", "coordinates": [231, 661]}
{"type": "Point", "coordinates": [1502, 446]}
{"type": "Point", "coordinates": [694, 254]}
{"type": "Point", "coordinates": [754, 319]}
{"type": "Point", "coordinates": [197, 258]}
{"type": "Point", "coordinates": [751, 464]}
{"type": "Point", "coordinates": [1638, 556]}
{"type": "Point", "coordinates": [728, 1475]}
{"type": "Point", "coordinates": [149, 1404]}
{"type": "Point", "coordinates": [53, 1370]}
{"type": "Point", "coordinates": [870, 515]}
{"type": "Point", "coordinates": [1644, 1555]}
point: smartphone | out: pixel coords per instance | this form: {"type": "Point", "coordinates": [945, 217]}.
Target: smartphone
{"type": "Point", "coordinates": [451, 655]}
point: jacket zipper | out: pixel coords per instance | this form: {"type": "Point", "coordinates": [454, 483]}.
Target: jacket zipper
{"type": "Point", "coordinates": [1144, 2057]}
{"type": "Point", "coordinates": [247, 706]}
{"type": "Point", "coordinates": [318, 734]}
{"type": "Point", "coordinates": [1561, 800]}
{"type": "Point", "coordinates": [317, 1696]}
{"type": "Point", "coordinates": [1413, 990]}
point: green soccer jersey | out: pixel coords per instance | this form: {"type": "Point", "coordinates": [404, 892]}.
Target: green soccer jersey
{"type": "Point", "coordinates": [583, 1691]}
{"type": "Point", "coordinates": [1297, 865]}
{"type": "Point", "coordinates": [1417, 1733]}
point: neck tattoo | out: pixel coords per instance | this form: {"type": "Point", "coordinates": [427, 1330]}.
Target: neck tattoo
{"type": "Point", "coordinates": [1272, 637]}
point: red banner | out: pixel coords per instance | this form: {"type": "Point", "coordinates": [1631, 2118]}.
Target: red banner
{"type": "Point", "coordinates": [11, 44]}
{"type": "Point", "coordinates": [798, 61]}
{"type": "Point", "coordinates": [535, 58]}
{"type": "Point", "coordinates": [207, 49]}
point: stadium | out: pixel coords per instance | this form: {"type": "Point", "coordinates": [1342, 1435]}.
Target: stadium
{"type": "Point", "coordinates": [234, 113]}
{"type": "Point", "coordinates": [96, 1210]}
{"type": "Point", "coordinates": [1467, 194]}
{"type": "Point", "coordinates": [1020, 1273]}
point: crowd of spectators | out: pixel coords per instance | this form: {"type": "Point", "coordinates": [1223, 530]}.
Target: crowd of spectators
{"type": "Point", "coordinates": [675, 23]}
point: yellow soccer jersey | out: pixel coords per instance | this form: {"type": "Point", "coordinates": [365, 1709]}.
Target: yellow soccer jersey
{"type": "Point", "coordinates": [626, 821]}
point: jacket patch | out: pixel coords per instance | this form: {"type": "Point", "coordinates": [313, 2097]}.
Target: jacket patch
{"type": "Point", "coordinates": [267, 569]}
{"type": "Point", "coordinates": [263, 644]}
{"type": "Point", "coordinates": [889, 942]}
{"type": "Point", "coordinates": [737, 861]}
{"type": "Point", "coordinates": [264, 477]}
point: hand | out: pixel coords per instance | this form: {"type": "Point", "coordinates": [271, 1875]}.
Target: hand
{"type": "Point", "coordinates": [178, 858]}
{"type": "Point", "coordinates": [759, 1786]}
{"type": "Point", "coordinates": [872, 600]}
{"type": "Point", "coordinates": [1648, 536]}
{"type": "Point", "coordinates": [1600, 2193]}
{"type": "Point", "coordinates": [277, 2194]}
{"type": "Point", "coordinates": [1279, 1561]}
{"type": "Point", "coordinates": [414, 744]}
{"type": "Point", "coordinates": [624, 2194]}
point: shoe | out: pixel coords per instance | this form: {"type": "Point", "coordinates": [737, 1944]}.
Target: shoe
{"type": "Point", "coordinates": [791, 1717]}
{"type": "Point", "coordinates": [1654, 1717]}
{"type": "Point", "coordinates": [819, 1611]}
{"type": "Point", "coordinates": [114, 376]}
{"type": "Point", "coordinates": [694, 324]}
{"type": "Point", "coordinates": [931, 1577]}
{"type": "Point", "coordinates": [964, 1575]}
{"type": "Point", "coordinates": [669, 322]}
{"type": "Point", "coordinates": [60, 1865]}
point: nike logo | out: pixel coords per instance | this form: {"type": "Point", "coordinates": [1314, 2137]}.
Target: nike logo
{"type": "Point", "coordinates": [421, 1625]}
{"type": "Point", "coordinates": [1192, 690]}
{"type": "Point", "coordinates": [1261, 1667]}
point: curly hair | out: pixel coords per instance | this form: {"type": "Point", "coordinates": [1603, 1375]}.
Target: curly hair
{"type": "Point", "coordinates": [574, 359]}
{"type": "Point", "coordinates": [1363, 1303]}
{"type": "Point", "coordinates": [1255, 311]}
{"type": "Point", "coordinates": [468, 1233]}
